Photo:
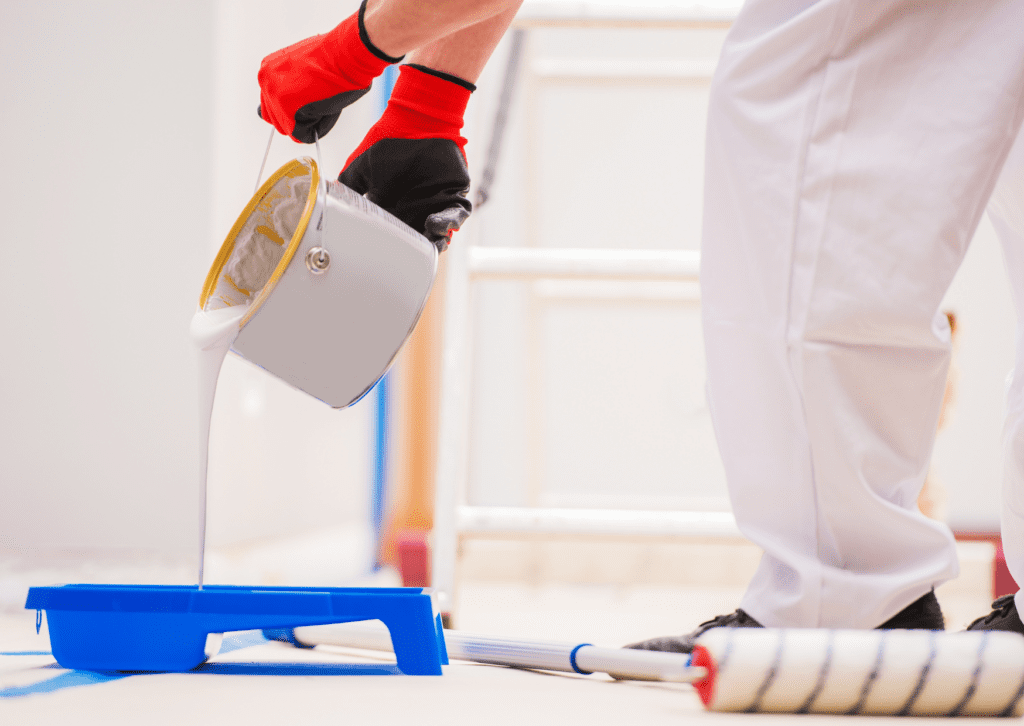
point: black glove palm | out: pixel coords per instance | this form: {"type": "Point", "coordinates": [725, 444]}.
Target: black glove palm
{"type": "Point", "coordinates": [423, 182]}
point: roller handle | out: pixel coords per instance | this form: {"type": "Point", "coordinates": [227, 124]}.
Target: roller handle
{"type": "Point", "coordinates": [543, 655]}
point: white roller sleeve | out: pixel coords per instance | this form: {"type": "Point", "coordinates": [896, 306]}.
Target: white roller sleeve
{"type": "Point", "coordinates": [542, 655]}
{"type": "Point", "coordinates": [894, 672]}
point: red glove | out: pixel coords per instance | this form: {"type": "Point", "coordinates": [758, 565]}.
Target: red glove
{"type": "Point", "coordinates": [304, 87]}
{"type": "Point", "coordinates": [412, 162]}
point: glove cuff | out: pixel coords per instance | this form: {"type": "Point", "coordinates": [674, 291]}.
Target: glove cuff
{"type": "Point", "coordinates": [348, 52]}
{"type": "Point", "coordinates": [444, 76]}
{"type": "Point", "coordinates": [428, 105]}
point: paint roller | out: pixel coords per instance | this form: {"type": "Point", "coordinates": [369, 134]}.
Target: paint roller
{"type": "Point", "coordinates": [764, 670]}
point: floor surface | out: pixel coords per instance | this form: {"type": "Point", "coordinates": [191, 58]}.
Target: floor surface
{"type": "Point", "coordinates": [34, 690]}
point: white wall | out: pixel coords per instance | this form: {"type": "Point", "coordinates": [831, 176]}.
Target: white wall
{"type": "Point", "coordinates": [104, 202]}
{"type": "Point", "coordinates": [130, 143]}
{"type": "Point", "coordinates": [968, 453]}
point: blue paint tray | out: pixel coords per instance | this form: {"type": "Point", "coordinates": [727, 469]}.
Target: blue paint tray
{"type": "Point", "coordinates": [164, 627]}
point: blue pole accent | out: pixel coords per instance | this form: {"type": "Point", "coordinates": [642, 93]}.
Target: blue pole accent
{"type": "Point", "coordinates": [572, 660]}
{"type": "Point", "coordinates": [380, 459]}
{"type": "Point", "coordinates": [386, 84]}
{"type": "Point", "coordinates": [382, 416]}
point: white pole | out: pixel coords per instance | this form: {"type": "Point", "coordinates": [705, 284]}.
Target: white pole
{"type": "Point", "coordinates": [549, 656]}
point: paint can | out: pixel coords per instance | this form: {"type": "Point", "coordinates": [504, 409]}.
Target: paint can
{"type": "Point", "coordinates": [333, 285]}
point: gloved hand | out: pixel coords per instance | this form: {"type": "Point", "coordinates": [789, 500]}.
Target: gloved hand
{"type": "Point", "coordinates": [423, 182]}
{"type": "Point", "coordinates": [412, 161]}
{"type": "Point", "coordinates": [304, 87]}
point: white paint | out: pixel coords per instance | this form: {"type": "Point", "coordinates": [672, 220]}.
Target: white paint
{"type": "Point", "coordinates": [257, 252]}
{"type": "Point", "coordinates": [213, 332]}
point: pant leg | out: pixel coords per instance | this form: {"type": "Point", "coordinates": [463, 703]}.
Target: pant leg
{"type": "Point", "coordinates": [851, 149]}
{"type": "Point", "coordinates": [1006, 210]}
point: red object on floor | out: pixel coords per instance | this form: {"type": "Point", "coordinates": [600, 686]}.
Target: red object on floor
{"type": "Point", "coordinates": [414, 558]}
{"type": "Point", "coordinates": [1002, 581]}
{"type": "Point", "coordinates": [706, 685]}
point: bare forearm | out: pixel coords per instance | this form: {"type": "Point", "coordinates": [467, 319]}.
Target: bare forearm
{"type": "Point", "coordinates": [398, 27]}
{"type": "Point", "coordinates": [464, 53]}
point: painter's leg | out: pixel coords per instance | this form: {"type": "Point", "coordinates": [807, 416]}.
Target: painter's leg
{"type": "Point", "coordinates": [851, 150]}
{"type": "Point", "coordinates": [1006, 210]}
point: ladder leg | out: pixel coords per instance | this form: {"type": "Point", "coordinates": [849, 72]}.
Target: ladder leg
{"type": "Point", "coordinates": [453, 424]}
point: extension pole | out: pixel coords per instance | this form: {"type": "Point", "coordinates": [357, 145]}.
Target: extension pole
{"type": "Point", "coordinates": [567, 657]}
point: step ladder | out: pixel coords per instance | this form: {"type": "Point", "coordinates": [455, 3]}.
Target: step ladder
{"type": "Point", "coordinates": [468, 263]}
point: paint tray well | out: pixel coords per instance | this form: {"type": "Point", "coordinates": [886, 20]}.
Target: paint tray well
{"type": "Point", "coordinates": [165, 627]}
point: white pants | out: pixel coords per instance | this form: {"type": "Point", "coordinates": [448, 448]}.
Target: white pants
{"type": "Point", "coordinates": [852, 147]}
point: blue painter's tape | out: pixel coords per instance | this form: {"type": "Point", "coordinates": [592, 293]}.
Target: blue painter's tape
{"type": "Point", "coordinates": [300, 669]}
{"type": "Point", "coordinates": [71, 679]}
{"type": "Point", "coordinates": [284, 635]}
{"type": "Point", "coordinates": [59, 683]}
{"type": "Point", "coordinates": [572, 659]}
{"type": "Point", "coordinates": [243, 639]}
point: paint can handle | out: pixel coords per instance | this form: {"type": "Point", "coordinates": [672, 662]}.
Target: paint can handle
{"type": "Point", "coordinates": [266, 154]}
{"type": "Point", "coordinates": [323, 182]}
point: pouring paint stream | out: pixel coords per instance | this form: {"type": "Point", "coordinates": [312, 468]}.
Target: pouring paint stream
{"type": "Point", "coordinates": [213, 332]}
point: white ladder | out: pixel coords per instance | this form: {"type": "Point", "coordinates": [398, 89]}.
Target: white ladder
{"type": "Point", "coordinates": [467, 263]}
{"type": "Point", "coordinates": [453, 517]}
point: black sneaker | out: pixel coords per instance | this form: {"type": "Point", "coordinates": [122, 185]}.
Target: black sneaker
{"type": "Point", "coordinates": [684, 643]}
{"type": "Point", "coordinates": [922, 614]}
{"type": "Point", "coordinates": [1004, 616]}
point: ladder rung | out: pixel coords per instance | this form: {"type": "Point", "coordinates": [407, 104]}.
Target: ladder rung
{"type": "Point", "coordinates": [525, 521]}
{"type": "Point", "coordinates": [513, 262]}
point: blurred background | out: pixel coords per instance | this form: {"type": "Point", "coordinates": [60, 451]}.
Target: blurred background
{"type": "Point", "coordinates": [131, 145]}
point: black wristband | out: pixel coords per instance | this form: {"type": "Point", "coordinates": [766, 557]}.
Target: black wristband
{"type": "Point", "coordinates": [366, 39]}
{"type": "Point", "coordinates": [444, 76]}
